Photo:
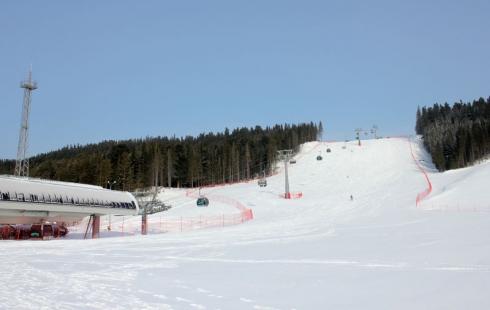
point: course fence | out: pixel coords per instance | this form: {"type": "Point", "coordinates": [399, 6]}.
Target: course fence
{"type": "Point", "coordinates": [292, 195]}
{"type": "Point", "coordinates": [461, 206]}
{"type": "Point", "coordinates": [422, 195]}
{"type": "Point", "coordinates": [156, 224]}
{"type": "Point", "coordinates": [162, 223]}
{"type": "Point", "coordinates": [245, 213]}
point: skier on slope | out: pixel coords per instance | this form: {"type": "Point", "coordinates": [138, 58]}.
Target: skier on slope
{"type": "Point", "coordinates": [351, 198]}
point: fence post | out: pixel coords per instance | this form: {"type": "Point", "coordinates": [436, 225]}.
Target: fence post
{"type": "Point", "coordinates": [181, 224]}
{"type": "Point", "coordinates": [144, 223]}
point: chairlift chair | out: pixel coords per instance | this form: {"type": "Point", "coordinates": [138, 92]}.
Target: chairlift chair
{"type": "Point", "coordinates": [262, 182]}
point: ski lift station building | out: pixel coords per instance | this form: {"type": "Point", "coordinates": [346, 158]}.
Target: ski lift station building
{"type": "Point", "coordinates": [32, 201]}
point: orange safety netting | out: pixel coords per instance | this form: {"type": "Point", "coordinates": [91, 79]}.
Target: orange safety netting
{"type": "Point", "coordinates": [296, 195]}
{"type": "Point", "coordinates": [422, 195]}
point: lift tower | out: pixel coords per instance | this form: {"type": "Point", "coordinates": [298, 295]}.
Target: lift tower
{"type": "Point", "coordinates": [285, 155]}
{"type": "Point", "coordinates": [358, 135]}
{"type": "Point", "coordinates": [22, 162]}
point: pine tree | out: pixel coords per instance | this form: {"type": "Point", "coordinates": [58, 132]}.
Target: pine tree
{"type": "Point", "coordinates": [205, 159]}
{"type": "Point", "coordinates": [456, 136]}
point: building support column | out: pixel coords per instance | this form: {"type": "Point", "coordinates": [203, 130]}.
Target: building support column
{"type": "Point", "coordinates": [95, 226]}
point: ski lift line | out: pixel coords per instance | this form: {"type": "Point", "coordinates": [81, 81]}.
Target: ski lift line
{"type": "Point", "coordinates": [218, 185]}
{"type": "Point", "coordinates": [318, 144]}
{"type": "Point", "coordinates": [264, 163]}
{"type": "Point", "coordinates": [222, 199]}
{"type": "Point", "coordinates": [211, 185]}
{"type": "Point", "coordinates": [260, 164]}
{"type": "Point", "coordinates": [422, 195]}
{"type": "Point", "coordinates": [238, 174]}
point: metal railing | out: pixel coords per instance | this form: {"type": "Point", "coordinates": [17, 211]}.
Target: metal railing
{"type": "Point", "coordinates": [64, 200]}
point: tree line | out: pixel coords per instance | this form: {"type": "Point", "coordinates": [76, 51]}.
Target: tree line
{"type": "Point", "coordinates": [456, 136]}
{"type": "Point", "coordinates": [211, 158]}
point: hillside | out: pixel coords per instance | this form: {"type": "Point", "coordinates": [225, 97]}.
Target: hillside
{"type": "Point", "coordinates": [209, 158]}
{"type": "Point", "coordinates": [323, 251]}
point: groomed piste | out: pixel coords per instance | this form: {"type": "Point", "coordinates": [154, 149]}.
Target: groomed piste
{"type": "Point", "coordinates": [379, 249]}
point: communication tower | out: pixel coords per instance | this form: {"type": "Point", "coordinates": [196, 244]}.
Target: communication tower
{"type": "Point", "coordinates": [22, 162]}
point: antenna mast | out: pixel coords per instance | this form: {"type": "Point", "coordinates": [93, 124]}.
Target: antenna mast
{"type": "Point", "coordinates": [22, 162]}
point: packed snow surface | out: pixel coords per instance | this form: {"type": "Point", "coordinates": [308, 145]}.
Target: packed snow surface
{"type": "Point", "coordinates": [323, 251]}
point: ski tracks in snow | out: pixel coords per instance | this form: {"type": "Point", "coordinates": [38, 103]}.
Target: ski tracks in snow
{"type": "Point", "coordinates": [207, 297]}
{"type": "Point", "coordinates": [401, 266]}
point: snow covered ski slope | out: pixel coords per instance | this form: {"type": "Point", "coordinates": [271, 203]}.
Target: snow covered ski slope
{"type": "Point", "coordinates": [323, 251]}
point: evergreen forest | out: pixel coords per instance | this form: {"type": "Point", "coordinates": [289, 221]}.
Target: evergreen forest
{"type": "Point", "coordinates": [211, 158]}
{"type": "Point", "coordinates": [456, 136]}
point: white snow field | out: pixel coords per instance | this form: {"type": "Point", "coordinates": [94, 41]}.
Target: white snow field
{"type": "Point", "coordinates": [323, 251]}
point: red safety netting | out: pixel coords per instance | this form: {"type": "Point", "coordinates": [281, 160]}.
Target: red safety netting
{"type": "Point", "coordinates": [296, 195]}
{"type": "Point", "coordinates": [131, 225]}
{"type": "Point", "coordinates": [162, 224]}
{"type": "Point", "coordinates": [422, 195]}
{"type": "Point", "coordinates": [247, 213]}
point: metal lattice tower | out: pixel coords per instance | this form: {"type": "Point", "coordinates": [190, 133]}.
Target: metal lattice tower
{"type": "Point", "coordinates": [358, 135]}
{"type": "Point", "coordinates": [285, 155]}
{"type": "Point", "coordinates": [22, 163]}
{"type": "Point", "coordinates": [374, 131]}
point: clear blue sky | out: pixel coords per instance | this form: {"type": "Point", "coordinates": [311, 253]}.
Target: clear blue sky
{"type": "Point", "coordinates": [130, 69]}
